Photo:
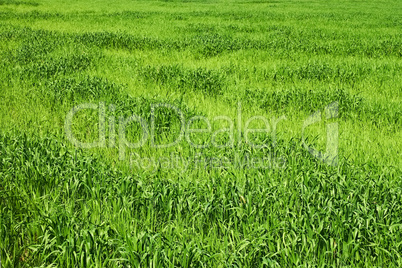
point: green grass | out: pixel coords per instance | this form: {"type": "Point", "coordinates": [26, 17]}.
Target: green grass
{"type": "Point", "coordinates": [183, 206]}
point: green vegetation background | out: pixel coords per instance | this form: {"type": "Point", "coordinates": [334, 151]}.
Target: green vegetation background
{"type": "Point", "coordinates": [65, 207]}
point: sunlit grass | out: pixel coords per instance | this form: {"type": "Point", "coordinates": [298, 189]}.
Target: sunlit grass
{"type": "Point", "coordinates": [99, 207]}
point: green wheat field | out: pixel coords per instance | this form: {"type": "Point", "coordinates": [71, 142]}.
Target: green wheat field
{"type": "Point", "coordinates": [200, 133]}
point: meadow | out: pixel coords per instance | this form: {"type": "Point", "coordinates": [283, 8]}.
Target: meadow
{"type": "Point", "coordinates": [146, 71]}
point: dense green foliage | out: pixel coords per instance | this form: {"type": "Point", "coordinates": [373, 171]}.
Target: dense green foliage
{"type": "Point", "coordinates": [62, 206]}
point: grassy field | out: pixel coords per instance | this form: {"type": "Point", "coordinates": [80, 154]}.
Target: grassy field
{"type": "Point", "coordinates": [95, 187]}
